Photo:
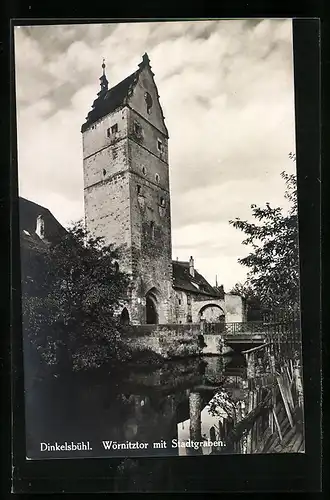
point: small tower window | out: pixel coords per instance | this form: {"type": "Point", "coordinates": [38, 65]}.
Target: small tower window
{"type": "Point", "coordinates": [137, 129]}
{"type": "Point", "coordinates": [138, 189]}
{"type": "Point", "coordinates": [152, 230]}
{"type": "Point", "coordinates": [114, 128]}
{"type": "Point", "coordinates": [160, 145]}
{"type": "Point", "coordinates": [148, 100]}
{"type": "Point", "coordinates": [108, 132]}
{"type": "Point", "coordinates": [179, 302]}
{"type": "Point", "coordinates": [144, 170]}
{"type": "Point", "coordinates": [157, 177]}
{"type": "Point", "coordinates": [162, 202]}
{"type": "Point", "coordinates": [104, 171]}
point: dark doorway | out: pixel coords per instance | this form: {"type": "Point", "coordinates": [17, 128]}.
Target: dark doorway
{"type": "Point", "coordinates": [151, 311]}
{"type": "Point", "coordinates": [124, 317]}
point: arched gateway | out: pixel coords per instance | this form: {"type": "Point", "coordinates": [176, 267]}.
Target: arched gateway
{"type": "Point", "coordinates": [212, 313]}
{"type": "Point", "coordinates": [124, 317]}
{"type": "Point", "coordinates": [152, 314]}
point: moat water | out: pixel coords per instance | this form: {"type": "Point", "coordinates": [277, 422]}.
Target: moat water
{"type": "Point", "coordinates": [137, 411]}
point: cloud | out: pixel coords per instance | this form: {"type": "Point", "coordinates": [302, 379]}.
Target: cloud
{"type": "Point", "coordinates": [226, 88]}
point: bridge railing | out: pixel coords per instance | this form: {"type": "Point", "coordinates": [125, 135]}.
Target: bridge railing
{"type": "Point", "coordinates": [252, 327]}
{"type": "Point", "coordinates": [278, 330]}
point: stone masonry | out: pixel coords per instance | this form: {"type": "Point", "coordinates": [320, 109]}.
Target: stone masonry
{"type": "Point", "coordinates": [126, 189]}
{"type": "Point", "coordinates": [127, 202]}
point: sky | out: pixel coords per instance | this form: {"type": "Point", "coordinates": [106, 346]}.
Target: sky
{"type": "Point", "coordinates": [227, 92]}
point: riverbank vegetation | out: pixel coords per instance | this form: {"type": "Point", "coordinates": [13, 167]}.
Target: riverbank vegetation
{"type": "Point", "coordinates": [71, 291]}
{"type": "Point", "coordinates": [273, 262]}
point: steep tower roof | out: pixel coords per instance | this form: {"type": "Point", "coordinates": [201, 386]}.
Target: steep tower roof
{"type": "Point", "coordinates": [109, 100]}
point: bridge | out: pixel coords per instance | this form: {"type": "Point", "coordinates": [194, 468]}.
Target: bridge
{"type": "Point", "coordinates": [246, 335]}
{"type": "Point", "coordinates": [177, 340]}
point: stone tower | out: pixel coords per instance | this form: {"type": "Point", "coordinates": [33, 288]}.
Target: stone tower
{"type": "Point", "coordinates": [126, 188]}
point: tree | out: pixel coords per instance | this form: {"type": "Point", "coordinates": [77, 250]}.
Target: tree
{"type": "Point", "coordinates": [273, 261]}
{"type": "Point", "coordinates": [70, 294]}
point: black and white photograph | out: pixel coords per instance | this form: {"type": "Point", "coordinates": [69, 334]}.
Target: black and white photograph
{"type": "Point", "coordinates": [158, 220]}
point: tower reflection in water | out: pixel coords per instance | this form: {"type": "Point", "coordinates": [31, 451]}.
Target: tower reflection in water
{"type": "Point", "coordinates": [172, 402]}
{"type": "Point", "coordinates": [213, 411]}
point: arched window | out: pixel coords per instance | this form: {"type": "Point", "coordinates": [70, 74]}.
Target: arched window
{"type": "Point", "coordinates": [157, 177]}
{"type": "Point", "coordinates": [162, 202]}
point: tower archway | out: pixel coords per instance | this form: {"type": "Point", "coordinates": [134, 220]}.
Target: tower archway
{"type": "Point", "coordinates": [124, 317]}
{"type": "Point", "coordinates": [152, 304]}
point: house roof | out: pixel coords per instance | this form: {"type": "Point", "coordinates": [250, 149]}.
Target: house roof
{"type": "Point", "coordinates": [197, 284]}
{"type": "Point", "coordinates": [28, 214]}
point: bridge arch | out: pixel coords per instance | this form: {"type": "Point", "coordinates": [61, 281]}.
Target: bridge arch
{"type": "Point", "coordinates": [212, 313]}
{"type": "Point", "coordinates": [152, 306]}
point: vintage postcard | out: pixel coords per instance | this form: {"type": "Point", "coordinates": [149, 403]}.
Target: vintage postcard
{"type": "Point", "coordinates": [159, 239]}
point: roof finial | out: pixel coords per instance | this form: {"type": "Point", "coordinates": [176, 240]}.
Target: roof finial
{"type": "Point", "coordinates": [145, 61]}
{"type": "Point", "coordinates": [145, 58]}
{"type": "Point", "coordinates": [103, 79]}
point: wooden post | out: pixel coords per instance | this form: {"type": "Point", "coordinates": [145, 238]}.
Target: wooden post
{"type": "Point", "coordinates": [250, 361]}
{"type": "Point", "coordinates": [254, 428]}
{"type": "Point", "coordinates": [195, 409]}
{"type": "Point", "coordinates": [249, 434]}
{"type": "Point", "coordinates": [284, 398]}
{"type": "Point", "coordinates": [299, 387]}
{"type": "Point", "coordinates": [277, 424]}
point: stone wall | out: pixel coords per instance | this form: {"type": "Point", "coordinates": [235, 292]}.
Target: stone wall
{"type": "Point", "coordinates": [231, 307]}
{"type": "Point", "coordinates": [213, 344]}
{"type": "Point", "coordinates": [235, 309]}
{"type": "Point", "coordinates": [106, 183]}
{"type": "Point", "coordinates": [198, 306]}
{"type": "Point", "coordinates": [150, 214]}
{"type": "Point", "coordinates": [127, 195]}
{"type": "Point", "coordinates": [169, 341]}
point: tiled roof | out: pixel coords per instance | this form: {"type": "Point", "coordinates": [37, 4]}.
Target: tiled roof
{"type": "Point", "coordinates": [197, 284]}
{"type": "Point", "coordinates": [117, 97]}
{"type": "Point", "coordinates": [31, 241]}
{"type": "Point", "coordinates": [28, 214]}
{"type": "Point", "coordinates": [110, 100]}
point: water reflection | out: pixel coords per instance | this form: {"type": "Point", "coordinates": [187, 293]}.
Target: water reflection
{"type": "Point", "coordinates": [196, 399]}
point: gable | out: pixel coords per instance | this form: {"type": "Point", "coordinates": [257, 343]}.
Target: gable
{"type": "Point", "coordinates": [132, 92]}
{"type": "Point", "coordinates": [139, 100]}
